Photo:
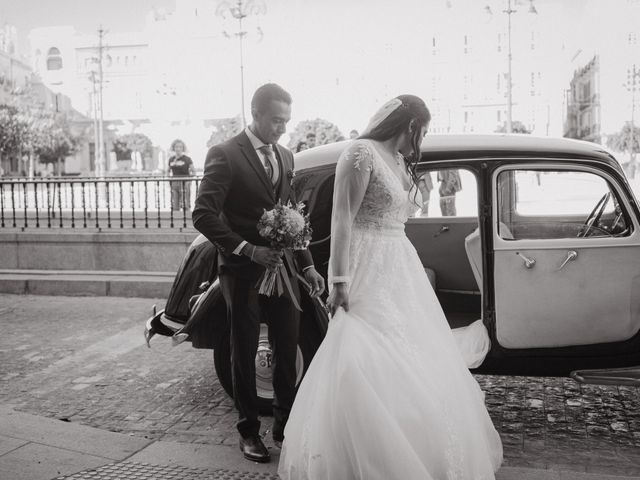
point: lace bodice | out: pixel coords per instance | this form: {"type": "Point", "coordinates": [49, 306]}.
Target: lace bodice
{"type": "Point", "coordinates": [367, 195]}
{"type": "Point", "coordinates": [385, 203]}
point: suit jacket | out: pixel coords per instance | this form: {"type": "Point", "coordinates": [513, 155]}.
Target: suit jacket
{"type": "Point", "coordinates": [233, 195]}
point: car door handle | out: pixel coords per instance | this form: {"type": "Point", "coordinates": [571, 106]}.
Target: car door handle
{"type": "Point", "coordinates": [528, 262]}
{"type": "Point", "coordinates": [444, 229]}
{"type": "Point", "coordinates": [571, 256]}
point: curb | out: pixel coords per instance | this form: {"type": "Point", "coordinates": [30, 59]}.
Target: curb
{"type": "Point", "coordinates": [86, 283]}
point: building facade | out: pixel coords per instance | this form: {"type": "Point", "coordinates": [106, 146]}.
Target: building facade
{"type": "Point", "coordinates": [600, 98]}
{"type": "Point", "coordinates": [151, 82]}
{"type": "Point", "coordinates": [469, 56]}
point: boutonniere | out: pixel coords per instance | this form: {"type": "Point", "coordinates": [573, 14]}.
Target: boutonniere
{"type": "Point", "coordinates": [291, 175]}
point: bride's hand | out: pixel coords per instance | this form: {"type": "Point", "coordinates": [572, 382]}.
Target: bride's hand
{"type": "Point", "coordinates": [339, 297]}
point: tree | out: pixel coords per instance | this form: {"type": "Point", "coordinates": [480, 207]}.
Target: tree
{"type": "Point", "coordinates": [14, 130]}
{"type": "Point", "coordinates": [53, 139]}
{"type": "Point", "coordinates": [620, 141]}
{"type": "Point", "coordinates": [27, 127]}
{"type": "Point", "coordinates": [223, 129]}
{"type": "Point", "coordinates": [325, 132]}
{"type": "Point", "coordinates": [516, 127]}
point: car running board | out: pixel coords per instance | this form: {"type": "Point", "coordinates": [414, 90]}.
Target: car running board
{"type": "Point", "coordinates": [609, 376]}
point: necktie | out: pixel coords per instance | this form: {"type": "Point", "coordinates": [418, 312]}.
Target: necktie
{"type": "Point", "coordinates": [270, 163]}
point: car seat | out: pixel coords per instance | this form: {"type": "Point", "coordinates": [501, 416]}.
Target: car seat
{"type": "Point", "coordinates": [473, 247]}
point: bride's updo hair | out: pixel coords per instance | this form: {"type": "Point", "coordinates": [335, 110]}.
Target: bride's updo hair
{"type": "Point", "coordinates": [412, 113]}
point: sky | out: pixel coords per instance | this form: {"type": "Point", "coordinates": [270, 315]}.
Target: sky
{"type": "Point", "coordinates": [84, 15]}
{"type": "Point", "coordinates": [129, 15]}
{"type": "Point", "coordinates": [348, 57]}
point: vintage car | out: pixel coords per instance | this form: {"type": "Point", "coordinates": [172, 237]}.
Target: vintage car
{"type": "Point", "coordinates": [538, 237]}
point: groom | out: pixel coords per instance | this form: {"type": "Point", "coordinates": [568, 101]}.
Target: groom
{"type": "Point", "coordinates": [243, 177]}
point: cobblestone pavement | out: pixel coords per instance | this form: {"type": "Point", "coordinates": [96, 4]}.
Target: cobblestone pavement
{"type": "Point", "coordinates": [83, 359]}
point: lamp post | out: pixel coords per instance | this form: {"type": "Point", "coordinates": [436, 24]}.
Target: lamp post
{"type": "Point", "coordinates": [509, 11]}
{"type": "Point", "coordinates": [239, 11]}
{"type": "Point", "coordinates": [633, 75]}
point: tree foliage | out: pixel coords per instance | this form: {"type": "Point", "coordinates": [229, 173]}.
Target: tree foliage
{"type": "Point", "coordinates": [620, 141]}
{"type": "Point", "coordinates": [516, 127]}
{"type": "Point", "coordinates": [223, 129]}
{"type": "Point", "coordinates": [54, 139]}
{"type": "Point", "coordinates": [13, 130]}
{"type": "Point", "coordinates": [125, 145]}
{"type": "Point", "coordinates": [325, 132]}
{"type": "Point", "coordinates": [27, 127]}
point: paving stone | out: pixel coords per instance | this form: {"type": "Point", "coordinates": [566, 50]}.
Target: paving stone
{"type": "Point", "coordinates": [172, 394]}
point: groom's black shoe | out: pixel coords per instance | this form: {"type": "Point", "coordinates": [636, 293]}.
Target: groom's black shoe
{"type": "Point", "coordinates": [253, 449]}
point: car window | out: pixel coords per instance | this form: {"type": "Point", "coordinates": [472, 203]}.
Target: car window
{"type": "Point", "coordinates": [445, 193]}
{"type": "Point", "coordinates": [539, 204]}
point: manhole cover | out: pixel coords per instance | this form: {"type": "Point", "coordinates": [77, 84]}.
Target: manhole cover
{"type": "Point", "coordinates": [142, 471]}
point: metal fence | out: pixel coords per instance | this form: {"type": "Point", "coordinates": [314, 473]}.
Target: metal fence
{"type": "Point", "coordinates": [92, 202]}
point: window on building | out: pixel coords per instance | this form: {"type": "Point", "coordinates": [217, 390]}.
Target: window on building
{"type": "Point", "coordinates": [499, 42]}
{"type": "Point", "coordinates": [126, 60]}
{"type": "Point", "coordinates": [499, 116]}
{"type": "Point", "coordinates": [54, 59]}
{"type": "Point", "coordinates": [467, 44]}
{"type": "Point", "coordinates": [498, 80]}
{"type": "Point", "coordinates": [632, 38]}
{"type": "Point", "coordinates": [533, 40]}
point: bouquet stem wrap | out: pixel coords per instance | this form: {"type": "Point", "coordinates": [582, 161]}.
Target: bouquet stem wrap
{"type": "Point", "coordinates": [277, 281]}
{"type": "Point", "coordinates": [286, 227]}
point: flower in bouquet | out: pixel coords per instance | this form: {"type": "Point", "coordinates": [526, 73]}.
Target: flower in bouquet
{"type": "Point", "coordinates": [285, 227]}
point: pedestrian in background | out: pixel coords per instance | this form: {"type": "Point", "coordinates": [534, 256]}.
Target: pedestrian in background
{"type": "Point", "coordinates": [302, 145]}
{"type": "Point", "coordinates": [450, 184]}
{"type": "Point", "coordinates": [425, 185]}
{"type": "Point", "coordinates": [311, 140]}
{"type": "Point", "coordinates": [180, 166]}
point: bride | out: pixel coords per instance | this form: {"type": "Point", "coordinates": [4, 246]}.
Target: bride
{"type": "Point", "coordinates": [388, 394]}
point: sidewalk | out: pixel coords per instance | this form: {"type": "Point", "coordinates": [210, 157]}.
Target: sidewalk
{"type": "Point", "coordinates": [80, 391]}
{"type": "Point", "coordinates": [39, 448]}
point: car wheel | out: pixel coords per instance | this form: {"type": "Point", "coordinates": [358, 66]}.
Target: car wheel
{"type": "Point", "coordinates": [264, 377]}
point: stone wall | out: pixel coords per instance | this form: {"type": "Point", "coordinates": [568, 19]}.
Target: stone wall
{"type": "Point", "coordinates": [147, 251]}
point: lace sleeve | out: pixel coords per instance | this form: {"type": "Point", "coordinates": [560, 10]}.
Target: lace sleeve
{"type": "Point", "coordinates": [352, 178]}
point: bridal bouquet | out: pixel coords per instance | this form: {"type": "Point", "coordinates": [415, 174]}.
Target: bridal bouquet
{"type": "Point", "coordinates": [286, 226]}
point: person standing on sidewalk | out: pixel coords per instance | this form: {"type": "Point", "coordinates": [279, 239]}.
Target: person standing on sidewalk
{"type": "Point", "coordinates": [180, 166]}
{"type": "Point", "coordinates": [450, 184]}
{"type": "Point", "coordinates": [243, 177]}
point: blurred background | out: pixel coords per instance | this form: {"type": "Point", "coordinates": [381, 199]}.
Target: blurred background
{"type": "Point", "coordinates": [103, 88]}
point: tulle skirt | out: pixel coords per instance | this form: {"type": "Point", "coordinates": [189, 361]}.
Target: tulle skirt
{"type": "Point", "coordinates": [388, 394]}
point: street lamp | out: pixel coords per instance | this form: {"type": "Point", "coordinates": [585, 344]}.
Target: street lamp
{"type": "Point", "coordinates": [239, 11]}
{"type": "Point", "coordinates": [509, 11]}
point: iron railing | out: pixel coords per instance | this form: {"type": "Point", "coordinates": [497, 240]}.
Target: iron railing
{"type": "Point", "coordinates": [97, 202]}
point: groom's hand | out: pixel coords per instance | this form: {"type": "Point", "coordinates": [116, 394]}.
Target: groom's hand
{"type": "Point", "coordinates": [265, 256]}
{"type": "Point", "coordinates": [316, 282]}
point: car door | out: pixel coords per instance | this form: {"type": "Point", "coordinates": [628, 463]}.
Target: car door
{"type": "Point", "coordinates": [557, 283]}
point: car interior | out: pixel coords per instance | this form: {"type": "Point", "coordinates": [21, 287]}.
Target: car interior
{"type": "Point", "coordinates": [444, 230]}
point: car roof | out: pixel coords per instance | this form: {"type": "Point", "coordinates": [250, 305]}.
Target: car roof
{"type": "Point", "coordinates": [469, 147]}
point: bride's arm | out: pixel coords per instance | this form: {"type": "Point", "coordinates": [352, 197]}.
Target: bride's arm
{"type": "Point", "coordinates": [352, 178]}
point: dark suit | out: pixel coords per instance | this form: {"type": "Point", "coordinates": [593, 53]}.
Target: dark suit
{"type": "Point", "coordinates": [233, 195]}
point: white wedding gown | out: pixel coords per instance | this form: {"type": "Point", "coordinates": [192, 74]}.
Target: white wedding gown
{"type": "Point", "coordinates": [388, 394]}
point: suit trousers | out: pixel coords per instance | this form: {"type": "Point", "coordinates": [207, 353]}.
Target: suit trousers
{"type": "Point", "coordinates": [245, 309]}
